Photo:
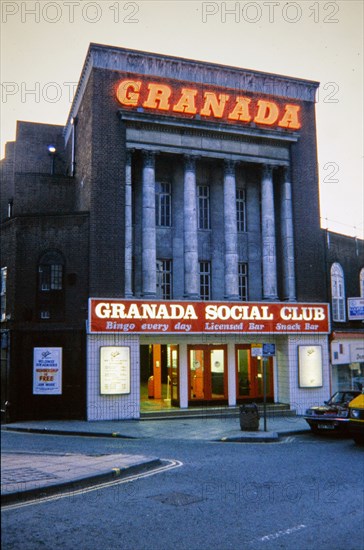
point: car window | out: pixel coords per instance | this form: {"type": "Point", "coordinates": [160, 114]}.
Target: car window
{"type": "Point", "coordinates": [337, 397]}
{"type": "Point", "coordinates": [350, 396]}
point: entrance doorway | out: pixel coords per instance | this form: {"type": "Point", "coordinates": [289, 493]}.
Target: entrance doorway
{"type": "Point", "coordinates": [207, 373]}
{"type": "Point", "coordinates": [250, 375]}
{"type": "Point", "coordinates": [159, 376]}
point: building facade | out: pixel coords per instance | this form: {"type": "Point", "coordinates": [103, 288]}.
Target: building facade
{"type": "Point", "coordinates": [164, 248]}
{"type": "Point", "coordinates": [345, 272]}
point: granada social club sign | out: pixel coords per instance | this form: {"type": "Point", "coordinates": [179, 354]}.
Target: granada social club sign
{"type": "Point", "coordinates": [189, 100]}
{"type": "Point", "coordinates": [149, 317]}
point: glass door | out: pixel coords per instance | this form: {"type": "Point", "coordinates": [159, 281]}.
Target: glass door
{"type": "Point", "coordinates": [243, 371]}
{"type": "Point", "coordinates": [250, 374]}
{"type": "Point", "coordinates": [197, 373]}
{"type": "Point", "coordinates": [173, 376]}
{"type": "Point", "coordinates": [207, 372]}
{"type": "Point", "coordinates": [258, 366]}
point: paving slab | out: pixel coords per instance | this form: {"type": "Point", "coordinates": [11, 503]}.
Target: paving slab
{"type": "Point", "coordinates": [30, 475]}
{"type": "Point", "coordinates": [204, 429]}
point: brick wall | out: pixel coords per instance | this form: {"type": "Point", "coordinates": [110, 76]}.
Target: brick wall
{"type": "Point", "coordinates": [37, 235]}
{"type": "Point", "coordinates": [107, 189]}
{"type": "Point", "coordinates": [7, 179]}
{"type": "Point", "coordinates": [31, 152]}
{"type": "Point", "coordinates": [349, 253]}
{"type": "Point", "coordinates": [309, 252]}
{"type": "Point", "coordinates": [43, 193]}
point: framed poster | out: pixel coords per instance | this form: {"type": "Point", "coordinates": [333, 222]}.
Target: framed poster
{"type": "Point", "coordinates": [114, 370]}
{"type": "Point", "coordinates": [310, 366]}
{"type": "Point", "coordinates": [47, 371]}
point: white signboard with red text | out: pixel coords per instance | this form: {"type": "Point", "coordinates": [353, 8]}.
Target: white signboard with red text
{"type": "Point", "coordinates": [140, 317]}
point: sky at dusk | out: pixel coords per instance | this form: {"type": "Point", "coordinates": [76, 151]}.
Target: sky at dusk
{"type": "Point", "coordinates": [44, 43]}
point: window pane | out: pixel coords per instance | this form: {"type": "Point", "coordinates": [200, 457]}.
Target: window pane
{"type": "Point", "coordinates": [4, 271]}
{"type": "Point", "coordinates": [163, 200]}
{"type": "Point", "coordinates": [243, 281]}
{"type": "Point", "coordinates": [338, 293]}
{"type": "Point", "coordinates": [50, 277]}
{"type": "Point", "coordinates": [203, 210]}
{"type": "Point", "coordinates": [164, 279]}
{"type": "Point", "coordinates": [56, 277]}
{"type": "Point", "coordinates": [240, 209]}
{"type": "Point", "coordinates": [205, 281]}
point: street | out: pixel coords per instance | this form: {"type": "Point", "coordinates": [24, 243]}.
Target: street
{"type": "Point", "coordinates": [302, 492]}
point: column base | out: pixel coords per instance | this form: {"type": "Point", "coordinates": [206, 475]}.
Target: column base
{"type": "Point", "coordinates": [149, 295]}
{"type": "Point", "coordinates": [232, 298]}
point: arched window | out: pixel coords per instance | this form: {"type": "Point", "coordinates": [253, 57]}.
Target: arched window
{"type": "Point", "coordinates": [337, 293]}
{"type": "Point", "coordinates": [50, 286]}
{"type": "Point", "coordinates": [361, 282]}
{"type": "Point", "coordinates": [51, 271]}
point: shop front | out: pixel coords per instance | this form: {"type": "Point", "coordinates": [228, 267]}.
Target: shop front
{"type": "Point", "coordinates": [208, 369]}
{"type": "Point", "coordinates": [347, 360]}
{"type": "Point", "coordinates": [187, 354]}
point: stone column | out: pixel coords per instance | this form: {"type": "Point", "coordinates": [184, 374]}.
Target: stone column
{"type": "Point", "coordinates": [289, 282]}
{"type": "Point", "coordinates": [230, 233]}
{"type": "Point", "coordinates": [128, 228]}
{"type": "Point", "coordinates": [269, 259]}
{"type": "Point", "coordinates": [191, 269]}
{"type": "Point", "coordinates": [149, 260]}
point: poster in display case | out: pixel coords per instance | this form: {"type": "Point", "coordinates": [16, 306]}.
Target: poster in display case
{"type": "Point", "coordinates": [47, 371]}
{"type": "Point", "coordinates": [114, 370]}
{"type": "Point", "coordinates": [310, 366]}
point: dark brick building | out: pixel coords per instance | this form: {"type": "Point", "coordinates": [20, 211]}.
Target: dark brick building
{"type": "Point", "coordinates": [174, 184]}
{"type": "Point", "coordinates": [344, 259]}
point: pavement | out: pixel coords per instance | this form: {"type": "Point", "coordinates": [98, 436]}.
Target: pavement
{"type": "Point", "coordinates": [28, 476]}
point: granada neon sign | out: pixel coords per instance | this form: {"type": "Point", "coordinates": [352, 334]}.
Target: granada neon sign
{"type": "Point", "coordinates": [137, 316]}
{"type": "Point", "coordinates": [190, 100]}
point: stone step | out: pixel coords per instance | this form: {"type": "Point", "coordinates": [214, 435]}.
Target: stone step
{"type": "Point", "coordinates": [272, 410]}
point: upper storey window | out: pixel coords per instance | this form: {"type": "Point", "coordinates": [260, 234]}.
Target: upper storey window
{"type": "Point", "coordinates": [203, 206]}
{"type": "Point", "coordinates": [163, 204]}
{"type": "Point", "coordinates": [338, 293]}
{"type": "Point", "coordinates": [241, 209]}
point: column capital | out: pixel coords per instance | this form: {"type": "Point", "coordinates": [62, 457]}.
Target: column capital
{"type": "Point", "coordinates": [286, 170]}
{"type": "Point", "coordinates": [128, 155]}
{"type": "Point", "coordinates": [267, 170]}
{"type": "Point", "coordinates": [229, 167]}
{"type": "Point", "coordinates": [148, 158]}
{"type": "Point", "coordinates": [190, 162]}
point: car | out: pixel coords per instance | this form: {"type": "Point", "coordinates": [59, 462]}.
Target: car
{"type": "Point", "coordinates": [333, 416]}
{"type": "Point", "coordinates": [356, 419]}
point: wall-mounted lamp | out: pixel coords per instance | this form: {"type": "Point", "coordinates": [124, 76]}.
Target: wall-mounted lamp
{"type": "Point", "coordinates": [52, 152]}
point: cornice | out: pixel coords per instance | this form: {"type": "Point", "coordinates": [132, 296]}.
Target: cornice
{"type": "Point", "coordinates": [200, 72]}
{"type": "Point", "coordinates": [228, 132]}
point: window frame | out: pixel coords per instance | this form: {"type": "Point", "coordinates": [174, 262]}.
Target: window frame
{"type": "Point", "coordinates": [163, 204]}
{"type": "Point", "coordinates": [165, 278]}
{"type": "Point", "coordinates": [243, 281]}
{"type": "Point", "coordinates": [205, 280]}
{"type": "Point", "coordinates": [337, 282]}
{"type": "Point", "coordinates": [203, 207]}
{"type": "Point", "coordinates": [241, 209]}
{"type": "Point", "coordinates": [4, 279]}
{"type": "Point", "coordinates": [51, 286]}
